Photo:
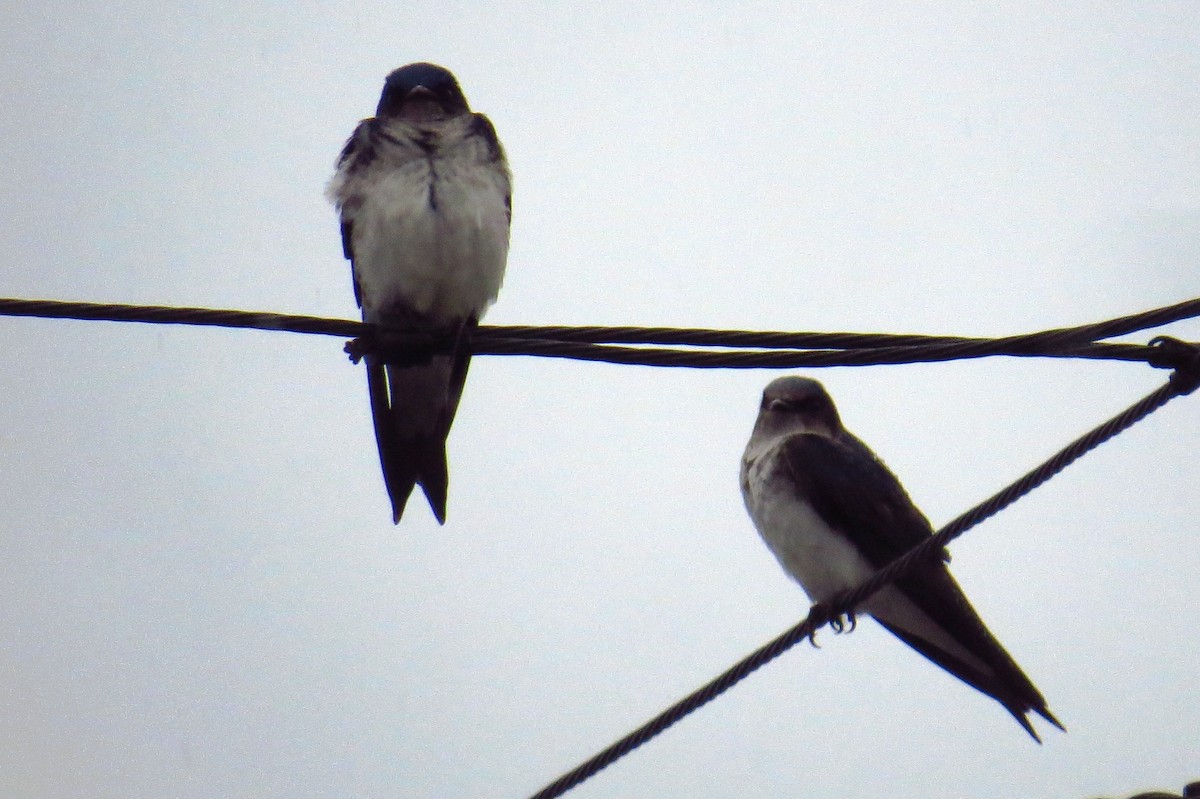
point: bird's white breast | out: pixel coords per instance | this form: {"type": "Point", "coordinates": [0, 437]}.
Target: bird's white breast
{"type": "Point", "coordinates": [822, 560]}
{"type": "Point", "coordinates": [430, 231]}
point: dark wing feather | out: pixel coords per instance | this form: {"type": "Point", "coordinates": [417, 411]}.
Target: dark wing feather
{"type": "Point", "coordinates": [1018, 706]}
{"type": "Point", "coordinates": [857, 495]}
{"type": "Point", "coordinates": [348, 250]}
{"type": "Point", "coordinates": [399, 471]}
{"type": "Point", "coordinates": [482, 127]}
{"type": "Point", "coordinates": [357, 153]}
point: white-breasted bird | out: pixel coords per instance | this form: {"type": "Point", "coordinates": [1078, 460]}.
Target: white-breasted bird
{"type": "Point", "coordinates": [833, 515]}
{"type": "Point", "coordinates": [424, 194]}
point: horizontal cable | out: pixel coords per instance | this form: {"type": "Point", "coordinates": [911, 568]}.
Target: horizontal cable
{"type": "Point", "coordinates": [1156, 317]}
{"type": "Point", "coordinates": [825, 613]}
{"type": "Point", "coordinates": [790, 358]}
{"type": "Point", "coordinates": [172, 315]}
{"type": "Point", "coordinates": [786, 350]}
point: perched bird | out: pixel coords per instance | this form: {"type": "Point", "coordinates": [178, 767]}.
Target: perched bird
{"type": "Point", "coordinates": [425, 198]}
{"type": "Point", "coordinates": [833, 514]}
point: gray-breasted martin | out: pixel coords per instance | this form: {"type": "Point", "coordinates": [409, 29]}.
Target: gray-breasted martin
{"type": "Point", "coordinates": [424, 194]}
{"type": "Point", "coordinates": [833, 514]}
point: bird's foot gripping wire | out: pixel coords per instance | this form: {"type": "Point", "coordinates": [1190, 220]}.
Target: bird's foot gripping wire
{"type": "Point", "coordinates": [401, 347]}
{"type": "Point", "coordinates": [356, 348]}
{"type": "Point", "coordinates": [844, 624]}
{"type": "Point", "coordinates": [823, 613]}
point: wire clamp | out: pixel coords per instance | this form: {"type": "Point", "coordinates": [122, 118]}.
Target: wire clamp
{"type": "Point", "coordinates": [1181, 356]}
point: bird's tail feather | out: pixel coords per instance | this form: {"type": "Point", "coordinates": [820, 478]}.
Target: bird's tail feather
{"type": "Point", "coordinates": [413, 408]}
{"type": "Point", "coordinates": [1017, 697]}
{"type": "Point", "coordinates": [399, 472]}
{"type": "Point", "coordinates": [428, 455]}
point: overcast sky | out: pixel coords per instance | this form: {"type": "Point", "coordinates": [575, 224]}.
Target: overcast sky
{"type": "Point", "coordinates": [202, 593]}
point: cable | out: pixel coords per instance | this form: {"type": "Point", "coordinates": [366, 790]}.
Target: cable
{"type": "Point", "coordinates": [168, 315]}
{"type": "Point", "coordinates": [776, 350]}
{"type": "Point", "coordinates": [1124, 325]}
{"type": "Point", "coordinates": [788, 358]}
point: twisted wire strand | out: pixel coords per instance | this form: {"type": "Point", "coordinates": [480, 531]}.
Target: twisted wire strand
{"type": "Point", "coordinates": [1180, 383]}
{"type": "Point", "coordinates": [181, 315]}
{"type": "Point", "coordinates": [1123, 325]}
{"type": "Point", "coordinates": [597, 343]}
{"type": "Point", "coordinates": [790, 358]}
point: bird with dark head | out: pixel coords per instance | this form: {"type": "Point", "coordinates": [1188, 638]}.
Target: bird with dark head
{"type": "Point", "coordinates": [416, 89]}
{"type": "Point", "coordinates": [424, 196]}
{"type": "Point", "coordinates": [833, 514]}
{"type": "Point", "coordinates": [796, 403]}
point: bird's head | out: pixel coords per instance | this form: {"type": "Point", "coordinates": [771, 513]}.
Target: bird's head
{"type": "Point", "coordinates": [421, 92]}
{"type": "Point", "coordinates": [796, 405]}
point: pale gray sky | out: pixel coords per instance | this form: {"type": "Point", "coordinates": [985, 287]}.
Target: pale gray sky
{"type": "Point", "coordinates": [201, 593]}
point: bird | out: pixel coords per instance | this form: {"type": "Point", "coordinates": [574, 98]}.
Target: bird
{"type": "Point", "coordinates": [423, 192]}
{"type": "Point", "coordinates": [833, 514]}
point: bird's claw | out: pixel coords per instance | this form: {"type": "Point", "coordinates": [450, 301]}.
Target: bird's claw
{"type": "Point", "coordinates": [847, 626]}
{"type": "Point", "coordinates": [399, 347]}
{"type": "Point", "coordinates": [823, 613]}
{"type": "Point", "coordinates": [356, 348]}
